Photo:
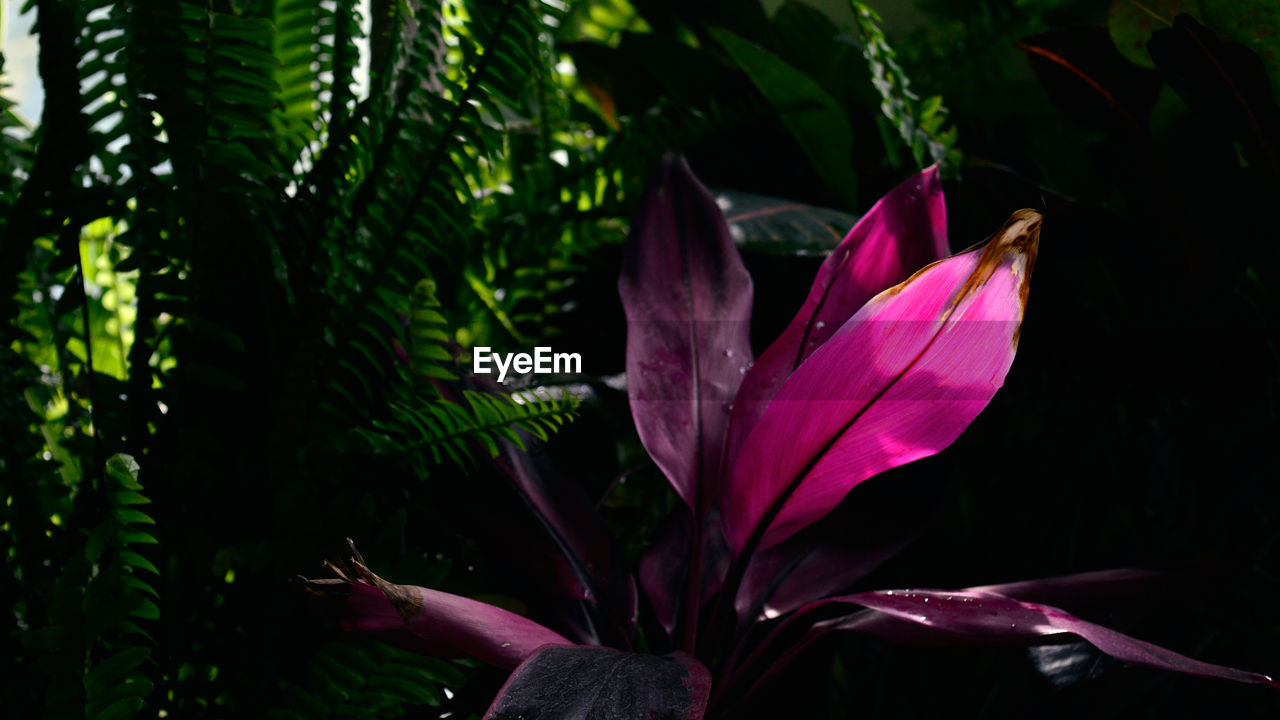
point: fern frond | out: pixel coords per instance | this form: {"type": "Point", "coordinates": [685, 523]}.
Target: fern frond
{"type": "Point", "coordinates": [920, 123]}
{"type": "Point", "coordinates": [450, 102]}
{"type": "Point", "coordinates": [565, 203]}
{"type": "Point", "coordinates": [118, 595]}
{"type": "Point", "coordinates": [428, 352]}
{"type": "Point", "coordinates": [432, 431]}
{"type": "Point", "coordinates": [317, 48]}
{"type": "Point", "coordinates": [361, 678]}
{"type": "Point", "coordinates": [95, 650]}
{"type": "Point", "coordinates": [15, 149]}
{"type": "Point", "coordinates": [34, 495]}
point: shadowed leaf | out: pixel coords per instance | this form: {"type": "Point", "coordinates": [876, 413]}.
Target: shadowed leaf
{"type": "Point", "coordinates": [589, 683]}
{"type": "Point", "coordinates": [687, 297]}
{"type": "Point", "coordinates": [1254, 23]}
{"type": "Point", "coordinates": [879, 518]}
{"type": "Point", "coordinates": [1224, 82]}
{"type": "Point", "coordinates": [986, 615]}
{"type": "Point", "coordinates": [781, 227]}
{"type": "Point", "coordinates": [1089, 80]}
{"type": "Point", "coordinates": [809, 112]}
{"type": "Point", "coordinates": [979, 614]}
{"type": "Point", "coordinates": [1131, 23]}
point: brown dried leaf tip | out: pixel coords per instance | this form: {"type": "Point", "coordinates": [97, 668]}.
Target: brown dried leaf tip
{"type": "Point", "coordinates": [351, 570]}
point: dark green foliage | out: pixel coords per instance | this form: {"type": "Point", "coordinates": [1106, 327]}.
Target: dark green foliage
{"type": "Point", "coordinates": [435, 430]}
{"type": "Point", "coordinates": [362, 679]}
{"type": "Point", "coordinates": [93, 644]}
{"type": "Point", "coordinates": [919, 123]}
{"type": "Point", "coordinates": [210, 262]}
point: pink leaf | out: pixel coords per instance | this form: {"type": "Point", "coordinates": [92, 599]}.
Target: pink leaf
{"type": "Point", "coordinates": [433, 622]}
{"type": "Point", "coordinates": [903, 232]}
{"type": "Point", "coordinates": [899, 381]}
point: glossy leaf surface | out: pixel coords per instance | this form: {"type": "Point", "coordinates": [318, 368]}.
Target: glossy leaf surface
{"type": "Point", "coordinates": [985, 615]}
{"type": "Point", "coordinates": [994, 617]}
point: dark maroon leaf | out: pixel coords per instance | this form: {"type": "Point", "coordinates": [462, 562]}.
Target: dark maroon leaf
{"type": "Point", "coordinates": [566, 514]}
{"type": "Point", "coordinates": [687, 297]}
{"type": "Point", "coordinates": [879, 518]}
{"type": "Point", "coordinates": [663, 572]}
{"type": "Point", "coordinates": [1086, 587]}
{"type": "Point", "coordinates": [664, 567]}
{"type": "Point", "coordinates": [593, 683]}
{"type": "Point", "coordinates": [990, 616]}
{"type": "Point", "coordinates": [983, 615]}
{"type": "Point", "coordinates": [555, 538]}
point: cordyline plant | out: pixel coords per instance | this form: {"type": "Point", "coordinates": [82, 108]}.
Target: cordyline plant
{"type": "Point", "coordinates": [894, 352]}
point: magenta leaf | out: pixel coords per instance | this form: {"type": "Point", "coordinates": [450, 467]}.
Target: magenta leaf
{"type": "Point", "coordinates": [900, 380]}
{"type": "Point", "coordinates": [985, 615]}
{"type": "Point", "coordinates": [432, 622]}
{"type": "Point", "coordinates": [687, 297]}
{"type": "Point", "coordinates": [585, 683]}
{"type": "Point", "coordinates": [992, 617]}
{"type": "Point", "coordinates": [903, 232]}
